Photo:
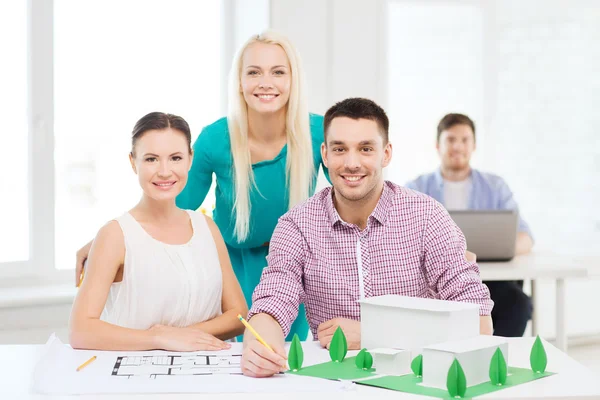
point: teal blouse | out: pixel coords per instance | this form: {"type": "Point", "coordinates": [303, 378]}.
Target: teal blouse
{"type": "Point", "coordinates": [212, 155]}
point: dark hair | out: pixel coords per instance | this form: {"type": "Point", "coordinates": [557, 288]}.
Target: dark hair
{"type": "Point", "coordinates": [454, 119]}
{"type": "Point", "coordinates": [358, 108]}
{"type": "Point", "coordinates": [160, 121]}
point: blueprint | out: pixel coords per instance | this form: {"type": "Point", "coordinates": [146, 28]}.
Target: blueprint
{"type": "Point", "coordinates": [159, 371]}
{"type": "Point", "coordinates": [152, 366]}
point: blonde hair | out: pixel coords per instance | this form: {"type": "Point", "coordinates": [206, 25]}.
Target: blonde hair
{"type": "Point", "coordinates": [300, 164]}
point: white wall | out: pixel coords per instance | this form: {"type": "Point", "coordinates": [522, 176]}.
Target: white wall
{"type": "Point", "coordinates": [27, 325]}
{"type": "Point", "coordinates": [341, 45]}
{"type": "Point", "coordinates": [542, 119]}
{"type": "Point", "coordinates": [30, 315]}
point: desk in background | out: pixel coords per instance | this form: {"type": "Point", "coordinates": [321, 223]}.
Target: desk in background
{"type": "Point", "coordinates": [535, 266]}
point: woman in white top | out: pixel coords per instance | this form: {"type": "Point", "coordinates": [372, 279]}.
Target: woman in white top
{"type": "Point", "coordinates": [158, 277]}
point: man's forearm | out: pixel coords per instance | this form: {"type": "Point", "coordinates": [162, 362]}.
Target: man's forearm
{"type": "Point", "coordinates": [485, 325]}
{"type": "Point", "coordinates": [267, 327]}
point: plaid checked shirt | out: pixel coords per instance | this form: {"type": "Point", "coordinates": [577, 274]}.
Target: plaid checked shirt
{"type": "Point", "coordinates": [410, 247]}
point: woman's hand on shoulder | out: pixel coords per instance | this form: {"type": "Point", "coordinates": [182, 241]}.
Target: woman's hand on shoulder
{"type": "Point", "coordinates": [185, 339]}
{"type": "Point", "coordinates": [81, 255]}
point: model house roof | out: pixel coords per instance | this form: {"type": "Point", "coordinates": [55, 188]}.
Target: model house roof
{"type": "Point", "coordinates": [419, 304]}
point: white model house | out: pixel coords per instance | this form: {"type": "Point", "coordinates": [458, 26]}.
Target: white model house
{"type": "Point", "coordinates": [391, 361]}
{"type": "Point", "coordinates": [474, 355]}
{"type": "Point", "coordinates": [402, 322]}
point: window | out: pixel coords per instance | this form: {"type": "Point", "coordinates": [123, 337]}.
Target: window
{"type": "Point", "coordinates": [14, 136]}
{"type": "Point", "coordinates": [110, 69]}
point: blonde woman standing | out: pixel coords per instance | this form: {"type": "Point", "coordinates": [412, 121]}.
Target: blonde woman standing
{"type": "Point", "coordinates": [265, 156]}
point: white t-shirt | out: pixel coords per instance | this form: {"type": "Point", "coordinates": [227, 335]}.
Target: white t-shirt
{"type": "Point", "coordinates": [456, 194]}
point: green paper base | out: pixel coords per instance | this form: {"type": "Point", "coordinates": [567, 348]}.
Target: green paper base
{"type": "Point", "coordinates": [347, 369]}
{"type": "Point", "coordinates": [411, 384]}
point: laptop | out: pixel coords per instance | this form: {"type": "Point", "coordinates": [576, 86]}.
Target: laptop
{"type": "Point", "coordinates": [490, 234]}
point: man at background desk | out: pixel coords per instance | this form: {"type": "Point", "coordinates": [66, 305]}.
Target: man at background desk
{"type": "Point", "coordinates": [459, 187]}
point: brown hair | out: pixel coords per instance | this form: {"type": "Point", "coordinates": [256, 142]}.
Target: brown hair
{"type": "Point", "coordinates": [160, 121]}
{"type": "Point", "coordinates": [359, 108]}
{"type": "Point", "coordinates": [454, 119]}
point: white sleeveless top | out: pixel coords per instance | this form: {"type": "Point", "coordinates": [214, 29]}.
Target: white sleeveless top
{"type": "Point", "coordinates": [175, 285]}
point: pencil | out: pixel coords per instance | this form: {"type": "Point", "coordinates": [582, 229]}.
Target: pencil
{"type": "Point", "coordinates": [85, 364]}
{"type": "Point", "coordinates": [256, 335]}
{"type": "Point", "coordinates": [81, 277]}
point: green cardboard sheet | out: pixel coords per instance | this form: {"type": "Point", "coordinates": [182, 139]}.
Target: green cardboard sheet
{"type": "Point", "coordinates": [336, 370]}
{"type": "Point", "coordinates": [412, 384]}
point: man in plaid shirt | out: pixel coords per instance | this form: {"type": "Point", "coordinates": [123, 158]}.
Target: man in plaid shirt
{"type": "Point", "coordinates": [364, 237]}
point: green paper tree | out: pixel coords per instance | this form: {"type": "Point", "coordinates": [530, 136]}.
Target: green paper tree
{"type": "Point", "coordinates": [537, 358]}
{"type": "Point", "coordinates": [417, 365]}
{"type": "Point", "coordinates": [456, 383]}
{"type": "Point", "coordinates": [338, 346]}
{"type": "Point", "coordinates": [364, 359]}
{"type": "Point", "coordinates": [296, 354]}
{"type": "Point", "coordinates": [498, 371]}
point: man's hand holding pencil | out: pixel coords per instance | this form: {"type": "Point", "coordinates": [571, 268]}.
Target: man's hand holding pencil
{"type": "Point", "coordinates": [260, 357]}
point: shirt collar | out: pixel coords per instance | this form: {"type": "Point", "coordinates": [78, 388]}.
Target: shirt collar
{"type": "Point", "coordinates": [334, 217]}
{"type": "Point", "coordinates": [439, 179]}
{"type": "Point", "coordinates": [380, 212]}
{"type": "Point", "coordinates": [382, 208]}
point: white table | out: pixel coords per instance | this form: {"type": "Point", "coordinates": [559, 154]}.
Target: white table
{"type": "Point", "coordinates": [573, 381]}
{"type": "Point", "coordinates": [537, 266]}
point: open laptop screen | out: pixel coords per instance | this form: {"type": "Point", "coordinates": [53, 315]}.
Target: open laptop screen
{"type": "Point", "coordinates": [490, 234]}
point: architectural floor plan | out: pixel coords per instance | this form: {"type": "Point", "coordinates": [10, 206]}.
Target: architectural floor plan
{"type": "Point", "coordinates": [153, 366]}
